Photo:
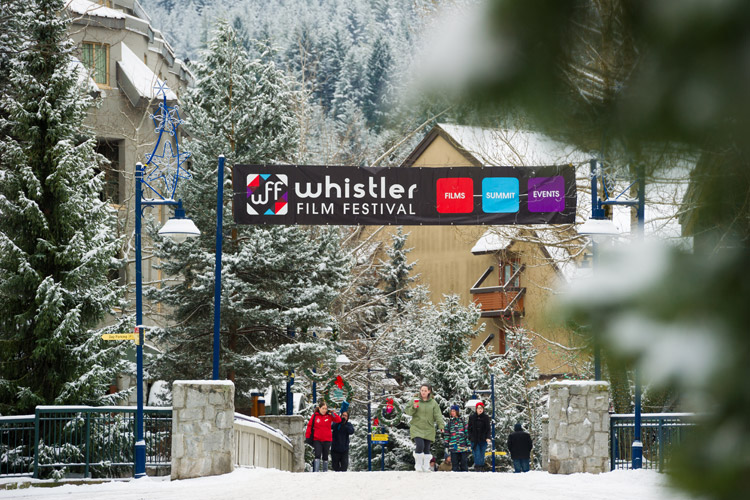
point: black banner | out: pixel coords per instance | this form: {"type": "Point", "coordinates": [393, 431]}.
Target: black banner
{"type": "Point", "coordinates": [301, 194]}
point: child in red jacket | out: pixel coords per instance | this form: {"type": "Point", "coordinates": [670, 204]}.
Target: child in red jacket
{"type": "Point", "coordinates": [319, 427]}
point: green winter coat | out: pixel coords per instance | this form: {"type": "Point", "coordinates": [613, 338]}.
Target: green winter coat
{"type": "Point", "coordinates": [424, 418]}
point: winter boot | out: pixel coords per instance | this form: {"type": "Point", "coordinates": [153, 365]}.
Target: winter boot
{"type": "Point", "coordinates": [325, 465]}
{"type": "Point", "coordinates": [418, 461]}
{"type": "Point", "coordinates": [316, 465]}
{"type": "Point", "coordinates": [479, 468]}
{"type": "Point", "coordinates": [426, 462]}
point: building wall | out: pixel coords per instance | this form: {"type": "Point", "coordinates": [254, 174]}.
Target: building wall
{"type": "Point", "coordinates": [444, 262]}
{"type": "Point", "coordinates": [116, 120]}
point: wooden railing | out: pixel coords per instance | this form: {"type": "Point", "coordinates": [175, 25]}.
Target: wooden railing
{"type": "Point", "coordinates": [502, 300]}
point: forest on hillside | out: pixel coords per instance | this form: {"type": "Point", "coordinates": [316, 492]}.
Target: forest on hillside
{"type": "Point", "coordinates": [354, 60]}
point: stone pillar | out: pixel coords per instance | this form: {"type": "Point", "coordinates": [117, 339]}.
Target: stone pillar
{"type": "Point", "coordinates": [294, 428]}
{"type": "Point", "coordinates": [202, 428]}
{"type": "Point", "coordinates": [578, 427]}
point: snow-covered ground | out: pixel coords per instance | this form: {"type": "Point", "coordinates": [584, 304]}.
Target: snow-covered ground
{"type": "Point", "coordinates": [269, 484]}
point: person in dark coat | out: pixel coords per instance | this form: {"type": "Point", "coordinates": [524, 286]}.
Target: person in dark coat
{"type": "Point", "coordinates": [340, 443]}
{"type": "Point", "coordinates": [519, 446]}
{"type": "Point", "coordinates": [480, 435]}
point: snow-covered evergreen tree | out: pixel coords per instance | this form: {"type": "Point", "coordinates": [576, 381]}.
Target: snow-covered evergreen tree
{"type": "Point", "coordinates": [57, 243]}
{"type": "Point", "coordinates": [396, 272]}
{"type": "Point", "coordinates": [519, 397]}
{"type": "Point", "coordinates": [272, 276]}
{"type": "Point", "coordinates": [379, 93]}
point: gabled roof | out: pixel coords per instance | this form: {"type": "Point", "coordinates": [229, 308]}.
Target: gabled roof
{"type": "Point", "coordinates": [500, 147]}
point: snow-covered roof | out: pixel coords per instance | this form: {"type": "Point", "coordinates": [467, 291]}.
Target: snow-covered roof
{"type": "Point", "coordinates": [492, 241]}
{"type": "Point", "coordinates": [664, 191]}
{"type": "Point", "coordinates": [87, 8]}
{"type": "Point", "coordinates": [503, 147]}
{"type": "Point", "coordinates": [140, 81]}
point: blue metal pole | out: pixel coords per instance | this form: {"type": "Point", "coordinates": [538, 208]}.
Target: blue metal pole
{"type": "Point", "coordinates": [492, 386]}
{"type": "Point", "coordinates": [140, 444]}
{"type": "Point", "coordinates": [314, 385]}
{"type": "Point", "coordinates": [594, 251]}
{"type": "Point", "coordinates": [637, 450]}
{"type": "Point", "coordinates": [369, 424]}
{"type": "Point", "coordinates": [217, 268]}
{"type": "Point", "coordinates": [290, 380]}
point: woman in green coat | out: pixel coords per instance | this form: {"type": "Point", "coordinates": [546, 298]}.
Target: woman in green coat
{"type": "Point", "coordinates": [425, 413]}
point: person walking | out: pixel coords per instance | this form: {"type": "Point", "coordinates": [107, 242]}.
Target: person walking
{"type": "Point", "coordinates": [480, 435]}
{"type": "Point", "coordinates": [458, 440]}
{"type": "Point", "coordinates": [519, 446]}
{"type": "Point", "coordinates": [425, 414]}
{"type": "Point", "coordinates": [319, 428]}
{"type": "Point", "coordinates": [340, 443]}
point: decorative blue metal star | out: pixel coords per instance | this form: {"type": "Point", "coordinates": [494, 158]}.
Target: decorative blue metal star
{"type": "Point", "coordinates": [167, 168]}
{"type": "Point", "coordinates": [167, 119]}
{"type": "Point", "coordinates": [161, 88]}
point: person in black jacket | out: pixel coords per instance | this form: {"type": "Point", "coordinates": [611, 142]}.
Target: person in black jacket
{"type": "Point", "coordinates": [340, 445]}
{"type": "Point", "coordinates": [519, 446]}
{"type": "Point", "coordinates": [480, 429]}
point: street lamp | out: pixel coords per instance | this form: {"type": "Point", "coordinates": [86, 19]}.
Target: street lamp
{"type": "Point", "coordinates": [178, 228]}
{"type": "Point", "coordinates": [597, 214]}
{"type": "Point", "coordinates": [599, 228]}
{"type": "Point", "coordinates": [387, 381]}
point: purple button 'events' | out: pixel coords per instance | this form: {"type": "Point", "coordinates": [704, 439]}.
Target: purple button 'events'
{"type": "Point", "coordinates": [547, 194]}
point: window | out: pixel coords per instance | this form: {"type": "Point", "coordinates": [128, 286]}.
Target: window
{"type": "Point", "coordinates": [95, 57]}
{"type": "Point", "coordinates": [508, 268]}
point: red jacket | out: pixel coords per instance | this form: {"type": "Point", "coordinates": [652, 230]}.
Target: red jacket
{"type": "Point", "coordinates": [322, 426]}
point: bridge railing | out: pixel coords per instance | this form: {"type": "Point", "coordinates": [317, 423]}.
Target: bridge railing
{"type": "Point", "coordinates": [660, 432]}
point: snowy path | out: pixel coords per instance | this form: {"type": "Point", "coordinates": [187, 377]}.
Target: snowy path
{"type": "Point", "coordinates": [271, 484]}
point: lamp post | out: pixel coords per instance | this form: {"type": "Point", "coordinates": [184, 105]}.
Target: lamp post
{"type": "Point", "coordinates": [179, 228]}
{"type": "Point", "coordinates": [599, 228]}
{"type": "Point", "coordinates": [596, 219]}
{"type": "Point", "coordinates": [217, 268]}
{"type": "Point", "coordinates": [387, 381]}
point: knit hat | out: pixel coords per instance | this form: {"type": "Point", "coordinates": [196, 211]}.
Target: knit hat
{"type": "Point", "coordinates": [456, 407]}
{"type": "Point", "coordinates": [480, 404]}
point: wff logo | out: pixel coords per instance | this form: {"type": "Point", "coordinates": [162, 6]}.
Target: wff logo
{"type": "Point", "coordinates": [267, 194]}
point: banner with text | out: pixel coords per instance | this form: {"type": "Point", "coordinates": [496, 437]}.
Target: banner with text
{"type": "Point", "coordinates": [302, 194]}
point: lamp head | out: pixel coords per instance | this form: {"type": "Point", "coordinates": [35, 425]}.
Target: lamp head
{"type": "Point", "coordinates": [179, 228]}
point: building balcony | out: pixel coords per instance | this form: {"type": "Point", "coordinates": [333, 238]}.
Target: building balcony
{"type": "Point", "coordinates": [499, 301]}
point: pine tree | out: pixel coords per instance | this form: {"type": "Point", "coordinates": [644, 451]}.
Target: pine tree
{"type": "Point", "coordinates": [519, 398]}
{"type": "Point", "coordinates": [57, 242]}
{"type": "Point", "coordinates": [272, 276]}
{"type": "Point", "coordinates": [396, 272]}
{"type": "Point", "coordinates": [379, 89]}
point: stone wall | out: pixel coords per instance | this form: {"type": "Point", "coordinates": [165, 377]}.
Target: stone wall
{"type": "Point", "coordinates": [294, 428]}
{"type": "Point", "coordinates": [202, 428]}
{"type": "Point", "coordinates": [578, 427]}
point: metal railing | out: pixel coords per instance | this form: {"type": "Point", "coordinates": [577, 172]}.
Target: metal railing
{"type": "Point", "coordinates": [16, 445]}
{"type": "Point", "coordinates": [83, 441]}
{"type": "Point", "coordinates": [659, 433]}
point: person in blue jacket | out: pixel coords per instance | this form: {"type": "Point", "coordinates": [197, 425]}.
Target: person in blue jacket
{"type": "Point", "coordinates": [340, 445]}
